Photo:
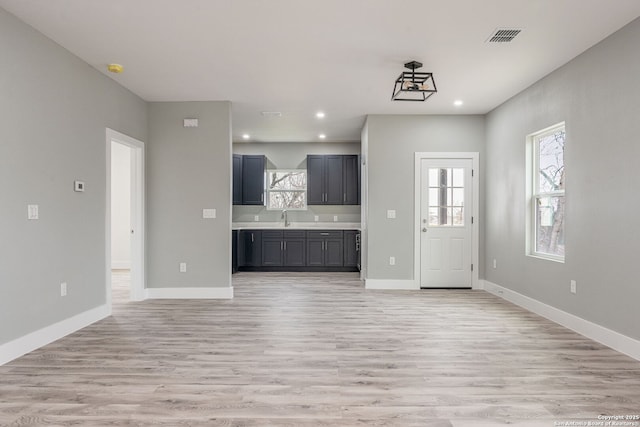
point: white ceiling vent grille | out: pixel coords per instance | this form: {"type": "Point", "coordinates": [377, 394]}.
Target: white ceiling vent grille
{"type": "Point", "coordinates": [503, 35]}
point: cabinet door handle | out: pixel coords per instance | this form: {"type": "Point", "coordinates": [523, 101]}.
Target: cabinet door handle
{"type": "Point", "coordinates": [285, 245]}
{"type": "Point", "coordinates": [344, 197]}
{"type": "Point", "coordinates": [324, 234]}
{"type": "Point", "coordinates": [251, 237]}
{"type": "Point", "coordinates": [281, 248]}
{"type": "Point", "coordinates": [262, 197]}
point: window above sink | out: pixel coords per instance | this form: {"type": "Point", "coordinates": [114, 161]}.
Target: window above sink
{"type": "Point", "coordinates": [287, 189]}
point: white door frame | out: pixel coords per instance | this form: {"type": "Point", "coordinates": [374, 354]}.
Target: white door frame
{"type": "Point", "coordinates": [475, 244]}
{"type": "Point", "coordinates": [138, 283]}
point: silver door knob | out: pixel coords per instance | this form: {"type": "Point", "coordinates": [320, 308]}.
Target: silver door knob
{"type": "Point", "coordinates": [424, 229]}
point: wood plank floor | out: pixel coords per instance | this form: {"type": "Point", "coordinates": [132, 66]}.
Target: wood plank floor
{"type": "Point", "coordinates": [308, 349]}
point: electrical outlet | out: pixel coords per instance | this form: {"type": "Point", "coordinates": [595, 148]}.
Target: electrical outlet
{"type": "Point", "coordinates": [208, 213]}
{"type": "Point", "coordinates": [391, 214]}
{"type": "Point", "coordinates": [183, 267]}
{"type": "Point", "coordinates": [32, 212]}
{"type": "Point", "coordinates": [316, 218]}
{"type": "Point", "coordinates": [256, 218]}
{"type": "Point", "coordinates": [574, 287]}
{"type": "Point", "coordinates": [392, 260]}
{"type": "Point", "coordinates": [63, 289]}
{"type": "Point", "coordinates": [495, 263]}
{"type": "Point", "coordinates": [335, 218]}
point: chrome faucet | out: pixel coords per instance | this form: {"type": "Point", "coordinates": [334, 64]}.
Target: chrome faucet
{"type": "Point", "coordinates": [284, 216]}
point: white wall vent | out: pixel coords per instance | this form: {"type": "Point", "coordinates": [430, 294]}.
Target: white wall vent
{"type": "Point", "coordinates": [503, 35]}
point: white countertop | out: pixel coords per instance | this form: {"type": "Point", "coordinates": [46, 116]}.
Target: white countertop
{"type": "Point", "coordinates": [296, 226]}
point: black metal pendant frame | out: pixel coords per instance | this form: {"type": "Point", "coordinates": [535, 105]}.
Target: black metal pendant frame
{"type": "Point", "coordinates": [416, 80]}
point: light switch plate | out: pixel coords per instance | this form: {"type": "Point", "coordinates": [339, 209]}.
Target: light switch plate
{"type": "Point", "coordinates": [190, 123]}
{"type": "Point", "coordinates": [183, 267]}
{"type": "Point", "coordinates": [391, 214]}
{"type": "Point", "coordinates": [316, 218]}
{"type": "Point", "coordinates": [63, 289]}
{"type": "Point", "coordinates": [208, 213]}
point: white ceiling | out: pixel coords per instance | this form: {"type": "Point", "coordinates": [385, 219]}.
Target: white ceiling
{"type": "Point", "coordinates": [338, 56]}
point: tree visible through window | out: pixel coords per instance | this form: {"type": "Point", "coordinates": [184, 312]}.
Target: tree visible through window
{"type": "Point", "coordinates": [548, 199]}
{"type": "Point", "coordinates": [287, 189]}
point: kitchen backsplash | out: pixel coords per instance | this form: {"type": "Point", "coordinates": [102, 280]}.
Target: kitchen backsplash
{"type": "Point", "coordinates": [324, 213]}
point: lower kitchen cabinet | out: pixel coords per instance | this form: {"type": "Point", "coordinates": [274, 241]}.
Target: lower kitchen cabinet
{"type": "Point", "coordinates": [351, 248]}
{"type": "Point", "coordinates": [325, 248]}
{"type": "Point", "coordinates": [283, 248]}
{"type": "Point", "coordinates": [249, 248]}
{"type": "Point", "coordinates": [297, 250]}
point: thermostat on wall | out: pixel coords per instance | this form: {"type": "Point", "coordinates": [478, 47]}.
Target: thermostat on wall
{"type": "Point", "coordinates": [78, 186]}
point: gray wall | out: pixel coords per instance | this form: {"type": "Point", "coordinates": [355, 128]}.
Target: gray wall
{"type": "Point", "coordinates": [294, 156]}
{"type": "Point", "coordinates": [188, 169]}
{"type": "Point", "coordinates": [597, 95]}
{"type": "Point", "coordinates": [392, 142]}
{"type": "Point", "coordinates": [54, 109]}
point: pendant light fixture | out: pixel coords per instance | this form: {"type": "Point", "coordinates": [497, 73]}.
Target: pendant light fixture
{"type": "Point", "coordinates": [412, 85]}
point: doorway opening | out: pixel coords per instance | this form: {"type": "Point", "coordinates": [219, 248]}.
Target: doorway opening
{"type": "Point", "coordinates": [446, 239]}
{"type": "Point", "coordinates": [124, 218]}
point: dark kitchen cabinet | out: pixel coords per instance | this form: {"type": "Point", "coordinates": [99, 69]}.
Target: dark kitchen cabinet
{"type": "Point", "coordinates": [351, 248]}
{"type": "Point", "coordinates": [253, 169]}
{"type": "Point", "coordinates": [250, 248]}
{"type": "Point", "coordinates": [234, 251]}
{"type": "Point", "coordinates": [325, 249]}
{"type": "Point", "coordinates": [237, 179]}
{"type": "Point", "coordinates": [283, 248]}
{"type": "Point", "coordinates": [333, 179]}
{"type": "Point", "coordinates": [351, 180]}
{"type": "Point", "coordinates": [272, 248]}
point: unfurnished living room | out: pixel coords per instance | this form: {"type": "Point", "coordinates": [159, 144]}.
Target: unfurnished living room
{"type": "Point", "coordinates": [338, 213]}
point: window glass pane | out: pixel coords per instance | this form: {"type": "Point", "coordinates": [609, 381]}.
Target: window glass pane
{"type": "Point", "coordinates": [287, 200]}
{"type": "Point", "coordinates": [551, 161]}
{"type": "Point", "coordinates": [434, 197]}
{"type": "Point", "coordinates": [458, 197]}
{"type": "Point", "coordinates": [550, 225]}
{"type": "Point", "coordinates": [434, 216]}
{"type": "Point", "coordinates": [434, 181]}
{"type": "Point", "coordinates": [458, 216]}
{"type": "Point", "coordinates": [458, 177]}
{"type": "Point", "coordinates": [287, 180]}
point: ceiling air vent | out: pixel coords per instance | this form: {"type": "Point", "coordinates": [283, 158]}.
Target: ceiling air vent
{"type": "Point", "coordinates": [503, 35]}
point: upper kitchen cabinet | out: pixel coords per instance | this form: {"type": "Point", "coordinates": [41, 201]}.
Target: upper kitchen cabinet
{"type": "Point", "coordinates": [237, 179]}
{"type": "Point", "coordinates": [248, 179]}
{"type": "Point", "coordinates": [333, 180]}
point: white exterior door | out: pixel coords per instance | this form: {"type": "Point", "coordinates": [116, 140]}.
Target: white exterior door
{"type": "Point", "coordinates": [446, 223]}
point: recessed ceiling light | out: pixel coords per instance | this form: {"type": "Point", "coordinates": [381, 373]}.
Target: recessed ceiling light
{"type": "Point", "coordinates": [322, 136]}
{"type": "Point", "coordinates": [246, 136]}
{"type": "Point", "coordinates": [458, 102]}
{"type": "Point", "coordinates": [320, 115]}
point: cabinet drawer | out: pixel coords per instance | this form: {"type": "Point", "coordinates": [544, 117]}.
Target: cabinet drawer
{"type": "Point", "coordinates": [324, 234]}
{"type": "Point", "coordinates": [295, 234]}
{"type": "Point", "coordinates": [272, 234]}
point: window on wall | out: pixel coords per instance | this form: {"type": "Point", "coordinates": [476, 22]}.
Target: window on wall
{"type": "Point", "coordinates": [547, 193]}
{"type": "Point", "coordinates": [287, 189]}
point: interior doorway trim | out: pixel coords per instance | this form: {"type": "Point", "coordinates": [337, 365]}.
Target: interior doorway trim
{"type": "Point", "coordinates": [137, 215]}
{"type": "Point", "coordinates": [475, 234]}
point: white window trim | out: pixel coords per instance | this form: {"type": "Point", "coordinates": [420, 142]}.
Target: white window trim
{"type": "Point", "coordinates": [267, 190]}
{"type": "Point", "coordinates": [532, 193]}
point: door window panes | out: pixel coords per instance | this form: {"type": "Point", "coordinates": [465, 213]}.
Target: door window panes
{"type": "Point", "coordinates": [446, 197]}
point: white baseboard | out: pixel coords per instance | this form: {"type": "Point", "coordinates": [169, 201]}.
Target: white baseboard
{"type": "Point", "coordinates": [391, 284]}
{"type": "Point", "coordinates": [40, 338]}
{"type": "Point", "coordinates": [613, 339]}
{"type": "Point", "coordinates": [120, 265]}
{"type": "Point", "coordinates": [225, 292]}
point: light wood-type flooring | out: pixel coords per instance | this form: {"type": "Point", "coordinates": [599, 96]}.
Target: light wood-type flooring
{"type": "Point", "coordinates": [309, 349]}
